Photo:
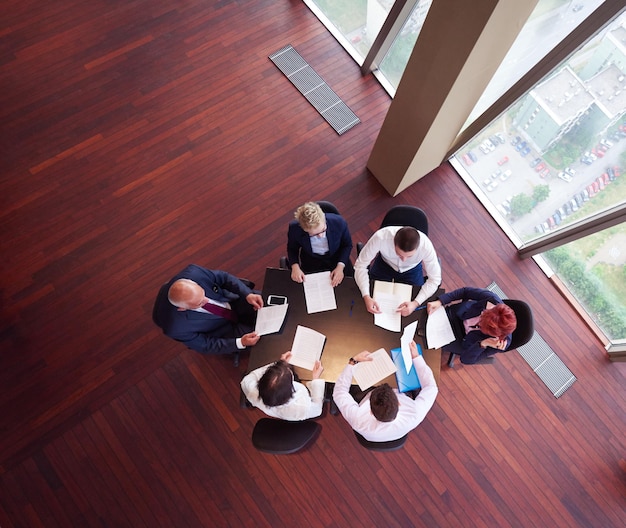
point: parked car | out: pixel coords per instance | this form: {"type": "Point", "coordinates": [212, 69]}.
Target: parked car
{"type": "Point", "coordinates": [535, 162]}
{"type": "Point", "coordinates": [495, 175]}
{"type": "Point", "coordinates": [616, 171]}
{"type": "Point", "coordinates": [586, 160]}
{"type": "Point", "coordinates": [600, 182]}
{"type": "Point", "coordinates": [578, 198]}
{"type": "Point", "coordinates": [564, 176]}
{"type": "Point", "coordinates": [590, 191]}
{"type": "Point", "coordinates": [584, 194]}
{"type": "Point", "coordinates": [540, 167]}
{"type": "Point", "coordinates": [466, 159]}
{"type": "Point", "coordinates": [567, 209]}
{"type": "Point", "coordinates": [570, 171]}
{"type": "Point", "coordinates": [472, 156]}
{"type": "Point", "coordinates": [502, 210]}
{"type": "Point", "coordinates": [595, 186]}
{"type": "Point", "coordinates": [500, 137]}
{"type": "Point", "coordinates": [516, 140]}
{"type": "Point", "coordinates": [606, 143]}
{"type": "Point", "coordinates": [525, 152]}
{"type": "Point", "coordinates": [605, 178]}
{"type": "Point", "coordinates": [539, 229]}
{"type": "Point", "coordinates": [599, 153]}
{"type": "Point", "coordinates": [557, 218]}
{"type": "Point", "coordinates": [544, 173]}
{"type": "Point", "coordinates": [506, 175]}
{"type": "Point", "coordinates": [492, 185]}
{"type": "Point", "coordinates": [550, 221]}
{"type": "Point", "coordinates": [506, 205]}
{"type": "Point", "coordinates": [520, 146]}
{"type": "Point", "coordinates": [574, 205]}
{"type": "Point", "coordinates": [503, 160]}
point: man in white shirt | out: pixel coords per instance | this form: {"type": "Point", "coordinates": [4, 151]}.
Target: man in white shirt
{"type": "Point", "coordinates": [274, 390]}
{"type": "Point", "coordinates": [384, 414]}
{"type": "Point", "coordinates": [398, 254]}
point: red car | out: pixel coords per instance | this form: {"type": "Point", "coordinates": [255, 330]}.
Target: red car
{"type": "Point", "coordinates": [503, 160]}
{"type": "Point", "coordinates": [540, 167]}
{"type": "Point", "coordinates": [545, 173]}
{"type": "Point", "coordinates": [605, 178]}
{"type": "Point", "coordinates": [599, 182]}
{"type": "Point", "coordinates": [598, 152]}
{"type": "Point", "coordinates": [591, 191]}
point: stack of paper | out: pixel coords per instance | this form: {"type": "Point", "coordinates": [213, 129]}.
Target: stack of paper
{"type": "Point", "coordinates": [368, 373]}
{"type": "Point", "coordinates": [307, 347]}
{"type": "Point", "coordinates": [319, 292]}
{"type": "Point", "coordinates": [388, 296]}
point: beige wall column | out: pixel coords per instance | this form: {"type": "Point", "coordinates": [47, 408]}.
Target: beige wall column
{"type": "Point", "coordinates": [460, 47]}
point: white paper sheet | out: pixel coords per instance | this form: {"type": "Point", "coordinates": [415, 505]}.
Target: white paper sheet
{"type": "Point", "coordinates": [368, 373]}
{"type": "Point", "coordinates": [307, 347]}
{"type": "Point", "coordinates": [269, 319]}
{"type": "Point", "coordinates": [388, 318]}
{"type": "Point", "coordinates": [438, 329]}
{"type": "Point", "coordinates": [407, 336]}
{"type": "Point", "coordinates": [319, 292]}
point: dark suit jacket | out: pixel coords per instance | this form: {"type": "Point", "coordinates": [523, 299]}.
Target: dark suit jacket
{"type": "Point", "coordinates": [473, 302]}
{"type": "Point", "coordinates": [339, 244]}
{"type": "Point", "coordinates": [203, 332]}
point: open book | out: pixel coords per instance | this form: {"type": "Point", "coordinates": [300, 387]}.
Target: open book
{"type": "Point", "coordinates": [368, 373]}
{"type": "Point", "coordinates": [388, 296]}
{"type": "Point", "coordinates": [307, 347]}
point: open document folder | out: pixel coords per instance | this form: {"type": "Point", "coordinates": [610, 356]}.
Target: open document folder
{"type": "Point", "coordinates": [438, 329]}
{"type": "Point", "coordinates": [368, 373]}
{"type": "Point", "coordinates": [388, 296]}
{"type": "Point", "coordinates": [269, 319]}
{"type": "Point", "coordinates": [307, 347]}
{"type": "Point", "coordinates": [319, 292]}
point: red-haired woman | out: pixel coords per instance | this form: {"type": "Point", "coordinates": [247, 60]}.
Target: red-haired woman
{"type": "Point", "coordinates": [482, 323]}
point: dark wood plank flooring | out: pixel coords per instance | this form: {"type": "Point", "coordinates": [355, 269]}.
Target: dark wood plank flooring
{"type": "Point", "coordinates": [137, 137]}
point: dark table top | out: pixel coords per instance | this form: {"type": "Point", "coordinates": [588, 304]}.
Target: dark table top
{"type": "Point", "coordinates": [349, 329]}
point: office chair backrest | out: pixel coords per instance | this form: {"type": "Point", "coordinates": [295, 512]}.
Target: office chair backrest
{"type": "Point", "coordinates": [391, 445]}
{"type": "Point", "coordinates": [525, 324]}
{"type": "Point", "coordinates": [328, 207]}
{"type": "Point", "coordinates": [162, 293]}
{"type": "Point", "coordinates": [406, 215]}
{"type": "Point", "coordinates": [280, 437]}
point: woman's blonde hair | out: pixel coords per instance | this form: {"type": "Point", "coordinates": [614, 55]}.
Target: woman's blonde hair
{"type": "Point", "coordinates": [309, 215]}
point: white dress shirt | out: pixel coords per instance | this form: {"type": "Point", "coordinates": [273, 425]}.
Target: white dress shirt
{"type": "Point", "coordinates": [301, 406]}
{"type": "Point", "coordinates": [410, 412]}
{"type": "Point", "coordinates": [382, 242]}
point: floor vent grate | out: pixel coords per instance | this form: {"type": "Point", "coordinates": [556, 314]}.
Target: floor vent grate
{"type": "Point", "coordinates": [542, 359]}
{"type": "Point", "coordinates": [313, 87]}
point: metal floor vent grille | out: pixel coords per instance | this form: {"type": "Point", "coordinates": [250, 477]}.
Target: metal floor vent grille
{"type": "Point", "coordinates": [542, 359]}
{"type": "Point", "coordinates": [313, 87]}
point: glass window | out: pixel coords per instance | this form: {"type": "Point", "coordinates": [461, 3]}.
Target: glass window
{"type": "Point", "coordinates": [558, 156]}
{"type": "Point", "coordinates": [550, 22]}
{"type": "Point", "coordinates": [355, 23]}
{"type": "Point", "coordinates": [594, 270]}
{"type": "Point", "coordinates": [393, 64]}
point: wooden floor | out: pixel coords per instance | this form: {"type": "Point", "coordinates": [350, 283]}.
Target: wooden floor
{"type": "Point", "coordinates": [140, 136]}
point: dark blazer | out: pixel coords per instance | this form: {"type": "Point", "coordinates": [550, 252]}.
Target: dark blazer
{"type": "Point", "coordinates": [339, 244]}
{"type": "Point", "coordinates": [473, 302]}
{"type": "Point", "coordinates": [203, 332]}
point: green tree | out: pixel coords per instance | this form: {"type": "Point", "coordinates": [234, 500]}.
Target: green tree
{"type": "Point", "coordinates": [521, 204]}
{"type": "Point", "coordinates": [541, 192]}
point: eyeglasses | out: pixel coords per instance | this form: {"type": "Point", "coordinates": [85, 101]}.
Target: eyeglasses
{"type": "Point", "coordinates": [320, 233]}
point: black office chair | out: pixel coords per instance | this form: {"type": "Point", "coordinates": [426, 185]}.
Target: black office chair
{"type": "Point", "coordinates": [522, 333]}
{"type": "Point", "coordinates": [163, 295]}
{"type": "Point", "coordinates": [402, 215]}
{"type": "Point", "coordinates": [326, 207]}
{"type": "Point", "coordinates": [391, 445]}
{"type": "Point", "coordinates": [280, 437]}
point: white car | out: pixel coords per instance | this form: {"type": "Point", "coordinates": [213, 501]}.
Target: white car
{"type": "Point", "coordinates": [506, 174]}
{"type": "Point", "coordinates": [564, 176]}
{"type": "Point", "coordinates": [570, 171]}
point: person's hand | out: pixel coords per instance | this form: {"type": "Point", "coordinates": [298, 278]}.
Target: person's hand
{"type": "Point", "coordinates": [255, 300]}
{"type": "Point", "coordinates": [371, 305]}
{"type": "Point", "coordinates": [406, 308]}
{"type": "Point", "coordinates": [493, 342]}
{"type": "Point", "coordinates": [317, 370]}
{"type": "Point", "coordinates": [432, 306]}
{"type": "Point", "coordinates": [363, 356]}
{"type": "Point", "coordinates": [336, 276]}
{"type": "Point", "coordinates": [413, 349]}
{"type": "Point", "coordinates": [286, 356]}
{"type": "Point", "coordinates": [297, 275]}
{"type": "Point", "coordinates": [250, 339]}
